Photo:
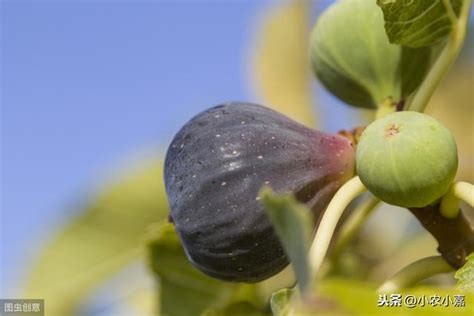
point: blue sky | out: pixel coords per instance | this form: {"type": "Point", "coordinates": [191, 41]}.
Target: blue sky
{"type": "Point", "coordinates": [85, 85]}
{"type": "Point", "coordinates": [88, 84]}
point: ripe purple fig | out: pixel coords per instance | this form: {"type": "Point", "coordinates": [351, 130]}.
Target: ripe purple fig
{"type": "Point", "coordinates": [214, 169]}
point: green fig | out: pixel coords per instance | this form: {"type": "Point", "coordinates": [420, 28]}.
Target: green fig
{"type": "Point", "coordinates": [407, 159]}
{"type": "Point", "coordinates": [353, 58]}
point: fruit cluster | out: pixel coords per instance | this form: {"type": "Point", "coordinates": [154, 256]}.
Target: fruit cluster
{"type": "Point", "coordinates": [218, 162]}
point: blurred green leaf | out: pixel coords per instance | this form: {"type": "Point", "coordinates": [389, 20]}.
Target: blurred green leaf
{"type": "Point", "coordinates": [465, 275]}
{"type": "Point", "coordinates": [281, 302]}
{"type": "Point", "coordinates": [345, 291]}
{"type": "Point", "coordinates": [281, 61]}
{"type": "Point", "coordinates": [143, 301]}
{"type": "Point", "coordinates": [418, 23]}
{"type": "Point", "coordinates": [353, 58]}
{"type": "Point", "coordinates": [285, 278]}
{"type": "Point", "coordinates": [236, 309]}
{"type": "Point", "coordinates": [184, 290]}
{"type": "Point", "coordinates": [100, 241]}
{"type": "Point", "coordinates": [452, 104]}
{"type": "Point", "coordinates": [293, 224]}
{"type": "Point", "coordinates": [345, 297]}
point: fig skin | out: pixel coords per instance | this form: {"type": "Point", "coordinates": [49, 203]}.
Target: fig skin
{"type": "Point", "coordinates": [407, 159]}
{"type": "Point", "coordinates": [353, 58]}
{"type": "Point", "coordinates": [214, 169]}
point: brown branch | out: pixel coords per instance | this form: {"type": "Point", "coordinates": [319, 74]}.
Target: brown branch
{"type": "Point", "coordinates": [455, 236]}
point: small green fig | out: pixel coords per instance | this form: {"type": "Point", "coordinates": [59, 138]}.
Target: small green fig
{"type": "Point", "coordinates": [352, 57]}
{"type": "Point", "coordinates": [407, 159]}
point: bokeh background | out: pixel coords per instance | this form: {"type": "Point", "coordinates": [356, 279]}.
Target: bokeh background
{"type": "Point", "coordinates": [93, 91]}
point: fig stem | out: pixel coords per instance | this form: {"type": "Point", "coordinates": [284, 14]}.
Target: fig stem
{"type": "Point", "coordinates": [348, 192]}
{"type": "Point", "coordinates": [354, 223]}
{"type": "Point", "coordinates": [415, 272]}
{"type": "Point", "coordinates": [444, 61]}
{"type": "Point", "coordinates": [450, 202]}
{"type": "Point", "coordinates": [455, 236]}
{"type": "Point", "coordinates": [387, 106]}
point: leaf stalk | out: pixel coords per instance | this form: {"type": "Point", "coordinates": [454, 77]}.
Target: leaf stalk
{"type": "Point", "coordinates": [444, 62]}
{"type": "Point", "coordinates": [415, 272]}
{"type": "Point", "coordinates": [343, 197]}
{"type": "Point", "coordinates": [450, 202]}
{"type": "Point", "coordinates": [354, 223]}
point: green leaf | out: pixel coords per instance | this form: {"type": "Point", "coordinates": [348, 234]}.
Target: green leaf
{"type": "Point", "coordinates": [413, 66]}
{"type": "Point", "coordinates": [419, 23]}
{"type": "Point", "coordinates": [348, 297]}
{"type": "Point", "coordinates": [465, 275]}
{"type": "Point", "coordinates": [293, 224]}
{"type": "Point", "coordinates": [103, 239]}
{"type": "Point", "coordinates": [280, 61]}
{"type": "Point", "coordinates": [281, 302]}
{"type": "Point", "coordinates": [184, 290]}
{"type": "Point", "coordinates": [236, 309]}
{"type": "Point", "coordinates": [352, 57]}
